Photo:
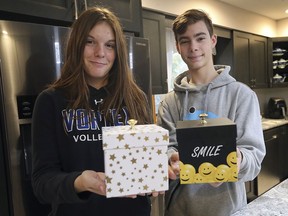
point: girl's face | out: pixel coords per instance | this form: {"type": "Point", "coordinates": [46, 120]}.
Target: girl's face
{"type": "Point", "coordinates": [99, 54]}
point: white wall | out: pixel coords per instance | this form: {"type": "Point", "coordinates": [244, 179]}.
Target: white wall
{"type": "Point", "coordinates": [223, 15]}
{"type": "Point", "coordinates": [282, 28]}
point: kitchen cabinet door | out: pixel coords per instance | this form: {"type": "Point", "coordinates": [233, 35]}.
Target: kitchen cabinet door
{"type": "Point", "coordinates": [283, 135]}
{"type": "Point", "coordinates": [128, 11]}
{"type": "Point", "coordinates": [250, 59]}
{"type": "Point", "coordinates": [62, 10]}
{"type": "Point", "coordinates": [250, 190]}
{"type": "Point", "coordinates": [270, 174]}
{"type": "Point", "coordinates": [154, 30]}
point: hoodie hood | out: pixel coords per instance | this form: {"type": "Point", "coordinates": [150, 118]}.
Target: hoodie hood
{"type": "Point", "coordinates": [181, 85]}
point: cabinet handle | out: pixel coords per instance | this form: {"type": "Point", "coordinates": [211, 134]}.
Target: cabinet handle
{"type": "Point", "coordinates": [272, 138]}
{"type": "Point", "coordinates": [86, 5]}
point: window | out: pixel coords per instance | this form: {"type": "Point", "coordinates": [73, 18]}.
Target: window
{"type": "Point", "coordinates": [175, 64]}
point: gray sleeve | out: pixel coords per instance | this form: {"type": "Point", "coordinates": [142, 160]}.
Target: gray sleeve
{"type": "Point", "coordinates": [250, 138]}
{"type": "Point", "coordinates": [167, 117]}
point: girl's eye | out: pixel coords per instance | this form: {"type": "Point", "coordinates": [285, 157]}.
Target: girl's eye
{"type": "Point", "coordinates": [110, 45]}
{"type": "Point", "coordinates": [90, 42]}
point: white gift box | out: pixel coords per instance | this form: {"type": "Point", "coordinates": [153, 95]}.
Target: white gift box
{"type": "Point", "coordinates": [135, 159]}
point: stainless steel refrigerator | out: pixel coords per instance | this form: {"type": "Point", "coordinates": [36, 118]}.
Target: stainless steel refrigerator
{"type": "Point", "coordinates": [31, 56]}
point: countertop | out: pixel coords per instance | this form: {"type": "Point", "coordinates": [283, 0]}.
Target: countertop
{"type": "Point", "coordinates": [271, 123]}
{"type": "Point", "coordinates": [272, 203]}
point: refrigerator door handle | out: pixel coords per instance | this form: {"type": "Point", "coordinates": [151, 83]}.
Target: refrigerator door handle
{"type": "Point", "coordinates": [76, 8]}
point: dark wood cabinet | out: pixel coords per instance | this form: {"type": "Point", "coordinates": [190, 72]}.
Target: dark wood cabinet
{"type": "Point", "coordinates": [224, 47]}
{"type": "Point", "coordinates": [154, 30]}
{"type": "Point", "coordinates": [250, 59]}
{"type": "Point", "coordinates": [283, 136]}
{"type": "Point", "coordinates": [271, 171]}
{"type": "Point", "coordinates": [278, 61]}
{"type": "Point", "coordinates": [64, 12]}
{"type": "Point", "coordinates": [56, 10]}
{"type": "Point", "coordinates": [250, 190]}
{"type": "Point", "coordinates": [128, 11]}
{"type": "Point", "coordinates": [274, 165]}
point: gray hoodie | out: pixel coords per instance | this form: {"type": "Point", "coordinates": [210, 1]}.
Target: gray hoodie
{"type": "Point", "coordinates": [223, 97]}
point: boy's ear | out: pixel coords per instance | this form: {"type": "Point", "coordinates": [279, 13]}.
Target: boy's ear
{"type": "Point", "coordinates": [214, 39]}
{"type": "Point", "coordinates": [177, 47]}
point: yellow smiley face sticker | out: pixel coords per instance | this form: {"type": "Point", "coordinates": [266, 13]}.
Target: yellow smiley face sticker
{"type": "Point", "coordinates": [222, 173]}
{"type": "Point", "coordinates": [232, 159]}
{"type": "Point", "coordinates": [198, 178]}
{"type": "Point", "coordinates": [233, 173]}
{"type": "Point", "coordinates": [206, 169]}
{"type": "Point", "coordinates": [187, 173]}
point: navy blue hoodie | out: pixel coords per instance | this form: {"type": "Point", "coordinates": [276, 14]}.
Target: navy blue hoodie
{"type": "Point", "coordinates": [65, 143]}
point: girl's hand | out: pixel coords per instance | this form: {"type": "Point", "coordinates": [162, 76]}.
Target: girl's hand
{"type": "Point", "coordinates": [91, 181]}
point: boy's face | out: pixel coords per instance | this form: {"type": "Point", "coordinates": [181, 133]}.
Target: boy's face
{"type": "Point", "coordinates": [195, 46]}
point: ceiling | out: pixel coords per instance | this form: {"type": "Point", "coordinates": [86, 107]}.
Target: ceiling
{"type": "Point", "coordinates": [274, 9]}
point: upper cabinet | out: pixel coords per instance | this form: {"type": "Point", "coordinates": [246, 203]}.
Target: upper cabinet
{"type": "Point", "coordinates": [66, 11]}
{"type": "Point", "coordinates": [223, 53]}
{"type": "Point", "coordinates": [129, 12]}
{"type": "Point", "coordinates": [57, 9]}
{"type": "Point", "coordinates": [250, 59]}
{"type": "Point", "coordinates": [154, 30]}
{"type": "Point", "coordinates": [278, 61]}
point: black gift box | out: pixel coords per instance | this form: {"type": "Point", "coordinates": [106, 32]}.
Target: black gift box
{"type": "Point", "coordinates": [207, 150]}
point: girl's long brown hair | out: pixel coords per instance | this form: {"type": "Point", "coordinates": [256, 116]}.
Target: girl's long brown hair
{"type": "Point", "coordinates": [122, 89]}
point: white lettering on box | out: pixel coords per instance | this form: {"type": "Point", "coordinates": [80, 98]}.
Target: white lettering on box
{"type": "Point", "coordinates": [205, 151]}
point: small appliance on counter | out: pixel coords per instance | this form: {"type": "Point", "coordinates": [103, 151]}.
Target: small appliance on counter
{"type": "Point", "coordinates": [277, 108]}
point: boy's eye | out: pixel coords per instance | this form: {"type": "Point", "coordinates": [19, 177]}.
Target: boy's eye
{"type": "Point", "coordinates": [201, 38]}
{"type": "Point", "coordinates": [184, 41]}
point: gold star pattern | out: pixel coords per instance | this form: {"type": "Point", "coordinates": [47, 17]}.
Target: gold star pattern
{"type": "Point", "coordinates": [112, 157]}
{"type": "Point", "coordinates": [145, 187]}
{"type": "Point", "coordinates": [120, 137]}
{"type": "Point", "coordinates": [165, 137]}
{"type": "Point", "coordinates": [108, 180]}
{"type": "Point", "coordinates": [138, 160]}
